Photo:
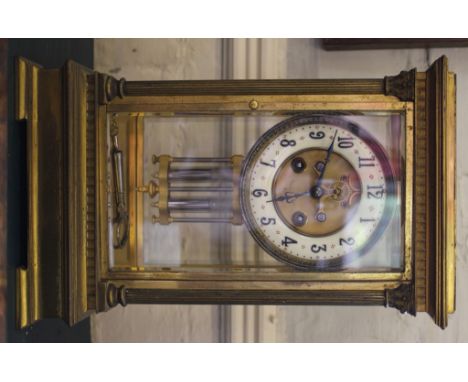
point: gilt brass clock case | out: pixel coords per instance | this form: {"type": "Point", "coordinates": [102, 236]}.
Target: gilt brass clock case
{"type": "Point", "coordinates": [86, 246]}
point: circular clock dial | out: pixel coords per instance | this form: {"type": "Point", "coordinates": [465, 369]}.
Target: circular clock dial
{"type": "Point", "coordinates": [317, 191]}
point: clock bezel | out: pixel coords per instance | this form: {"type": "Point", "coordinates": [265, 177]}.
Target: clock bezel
{"type": "Point", "coordinates": [337, 263]}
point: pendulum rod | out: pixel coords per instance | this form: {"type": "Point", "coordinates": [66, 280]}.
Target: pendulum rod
{"type": "Point", "coordinates": [195, 190]}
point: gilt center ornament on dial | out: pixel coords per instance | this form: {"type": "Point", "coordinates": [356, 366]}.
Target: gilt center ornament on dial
{"type": "Point", "coordinates": [317, 191]}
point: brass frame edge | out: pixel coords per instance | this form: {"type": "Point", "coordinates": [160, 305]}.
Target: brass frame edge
{"type": "Point", "coordinates": [140, 197]}
{"type": "Point", "coordinates": [391, 104]}
{"type": "Point", "coordinates": [450, 192]}
{"type": "Point", "coordinates": [22, 299]}
{"type": "Point", "coordinates": [408, 192]}
{"type": "Point", "coordinates": [80, 193]}
{"type": "Point", "coordinates": [135, 179]}
{"type": "Point", "coordinates": [28, 280]}
{"type": "Point", "coordinates": [441, 192]}
{"type": "Point", "coordinates": [240, 274]}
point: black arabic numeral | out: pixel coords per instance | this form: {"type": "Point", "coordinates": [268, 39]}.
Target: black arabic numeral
{"type": "Point", "coordinates": [348, 241]}
{"type": "Point", "coordinates": [377, 194]}
{"type": "Point", "coordinates": [345, 143]}
{"type": "Point", "coordinates": [267, 221]}
{"type": "Point", "coordinates": [259, 192]}
{"type": "Point", "coordinates": [318, 248]}
{"type": "Point", "coordinates": [316, 134]}
{"type": "Point", "coordinates": [286, 142]}
{"type": "Point", "coordinates": [287, 241]}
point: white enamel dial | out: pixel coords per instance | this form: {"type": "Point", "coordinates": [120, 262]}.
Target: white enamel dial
{"type": "Point", "coordinates": [316, 191]}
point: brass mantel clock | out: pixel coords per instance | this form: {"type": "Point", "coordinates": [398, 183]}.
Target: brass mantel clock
{"type": "Point", "coordinates": [264, 192]}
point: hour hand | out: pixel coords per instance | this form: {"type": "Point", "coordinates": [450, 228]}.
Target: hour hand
{"type": "Point", "coordinates": [288, 197]}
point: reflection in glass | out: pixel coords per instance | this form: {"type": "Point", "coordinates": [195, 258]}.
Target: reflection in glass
{"type": "Point", "coordinates": [181, 174]}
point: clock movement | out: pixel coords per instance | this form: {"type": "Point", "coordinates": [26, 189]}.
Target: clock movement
{"type": "Point", "coordinates": [242, 191]}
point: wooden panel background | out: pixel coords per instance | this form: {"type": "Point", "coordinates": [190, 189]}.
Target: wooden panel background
{"type": "Point", "coordinates": [392, 43]}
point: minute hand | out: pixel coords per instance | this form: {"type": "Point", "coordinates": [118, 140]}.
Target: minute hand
{"type": "Point", "coordinates": [289, 197]}
{"type": "Point", "coordinates": [329, 151]}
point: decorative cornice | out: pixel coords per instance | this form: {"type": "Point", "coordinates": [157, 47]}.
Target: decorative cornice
{"type": "Point", "coordinates": [402, 85]}
{"type": "Point", "coordinates": [401, 298]}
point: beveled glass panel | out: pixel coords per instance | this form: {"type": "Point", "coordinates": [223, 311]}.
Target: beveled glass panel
{"type": "Point", "coordinates": [353, 210]}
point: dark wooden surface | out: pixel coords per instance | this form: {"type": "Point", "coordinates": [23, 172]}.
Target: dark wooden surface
{"type": "Point", "coordinates": [50, 53]}
{"type": "Point", "coordinates": [391, 43]}
{"type": "Point", "coordinates": [3, 177]}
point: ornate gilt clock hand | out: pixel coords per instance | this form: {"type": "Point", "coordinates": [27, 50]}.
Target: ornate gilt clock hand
{"type": "Point", "coordinates": [327, 158]}
{"type": "Point", "coordinates": [288, 197]}
{"type": "Point", "coordinates": [316, 191]}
